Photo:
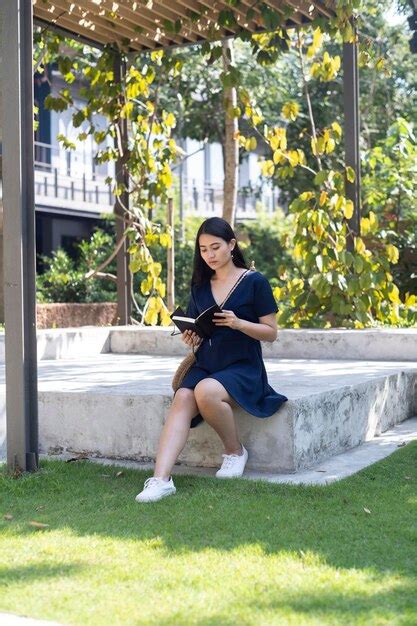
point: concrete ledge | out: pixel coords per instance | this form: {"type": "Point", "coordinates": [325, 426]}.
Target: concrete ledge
{"type": "Point", "coordinates": [377, 344]}
{"type": "Point", "coordinates": [72, 343]}
{"type": "Point", "coordinates": [381, 344]}
{"type": "Point", "coordinates": [68, 343]}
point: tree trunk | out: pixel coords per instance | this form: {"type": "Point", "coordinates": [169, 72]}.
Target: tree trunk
{"type": "Point", "coordinates": [230, 146]}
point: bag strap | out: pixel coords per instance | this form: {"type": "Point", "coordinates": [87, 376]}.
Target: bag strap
{"type": "Point", "coordinates": [239, 280]}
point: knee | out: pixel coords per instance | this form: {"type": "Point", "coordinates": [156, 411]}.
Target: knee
{"type": "Point", "coordinates": [184, 394]}
{"type": "Point", "coordinates": [206, 394]}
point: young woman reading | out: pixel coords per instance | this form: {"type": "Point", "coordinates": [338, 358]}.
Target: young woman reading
{"type": "Point", "coordinates": [229, 370]}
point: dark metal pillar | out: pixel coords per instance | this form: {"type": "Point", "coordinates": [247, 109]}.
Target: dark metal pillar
{"type": "Point", "coordinates": [19, 236]}
{"type": "Point", "coordinates": [124, 305]}
{"type": "Point", "coordinates": [352, 130]}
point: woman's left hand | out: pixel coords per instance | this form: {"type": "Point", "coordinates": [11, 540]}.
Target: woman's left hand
{"type": "Point", "coordinates": [227, 318]}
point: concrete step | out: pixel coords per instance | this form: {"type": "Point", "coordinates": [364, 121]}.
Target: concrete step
{"type": "Point", "coordinates": [336, 468]}
{"type": "Point", "coordinates": [114, 406]}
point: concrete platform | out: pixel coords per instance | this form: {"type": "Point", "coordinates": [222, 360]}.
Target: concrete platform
{"type": "Point", "coordinates": [115, 405]}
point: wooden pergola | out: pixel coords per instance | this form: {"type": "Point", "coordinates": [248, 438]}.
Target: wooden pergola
{"type": "Point", "coordinates": [151, 24]}
{"type": "Point", "coordinates": [129, 25]}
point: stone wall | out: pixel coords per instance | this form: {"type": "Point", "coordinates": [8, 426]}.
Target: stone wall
{"type": "Point", "coordinates": [71, 314]}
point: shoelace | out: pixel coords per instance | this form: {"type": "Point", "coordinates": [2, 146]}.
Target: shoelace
{"type": "Point", "coordinates": [149, 482]}
{"type": "Point", "coordinates": [229, 460]}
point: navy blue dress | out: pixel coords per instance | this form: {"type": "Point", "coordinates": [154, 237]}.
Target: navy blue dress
{"type": "Point", "coordinates": [230, 356]}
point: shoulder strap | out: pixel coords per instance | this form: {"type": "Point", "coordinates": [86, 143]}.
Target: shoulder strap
{"type": "Point", "coordinates": [239, 280]}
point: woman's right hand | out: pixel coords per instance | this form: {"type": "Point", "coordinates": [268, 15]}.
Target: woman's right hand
{"type": "Point", "coordinates": [191, 338]}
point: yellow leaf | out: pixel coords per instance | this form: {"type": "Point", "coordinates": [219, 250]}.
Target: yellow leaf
{"type": "Point", "coordinates": [410, 299]}
{"type": "Point", "coordinates": [321, 144]}
{"type": "Point", "coordinates": [337, 129]}
{"type": "Point", "coordinates": [301, 157]}
{"type": "Point", "coordinates": [392, 253]}
{"type": "Point", "coordinates": [278, 157]}
{"type": "Point", "coordinates": [373, 220]}
{"type": "Point", "coordinates": [394, 294]}
{"type": "Point", "coordinates": [319, 230]}
{"type": "Point", "coordinates": [365, 225]}
{"type": "Point", "coordinates": [267, 168]}
{"type": "Point", "coordinates": [323, 198]}
{"type": "Point", "coordinates": [317, 37]}
{"type": "Point", "coordinates": [349, 207]}
{"type": "Point", "coordinates": [293, 157]}
{"type": "Point", "coordinates": [298, 251]}
{"type": "Point", "coordinates": [274, 142]}
{"type": "Point", "coordinates": [165, 240]}
{"type": "Point", "coordinates": [146, 286]}
{"type": "Point", "coordinates": [330, 145]}
{"type": "Point", "coordinates": [161, 289]}
{"type": "Point", "coordinates": [151, 317]}
{"type": "Point", "coordinates": [155, 269]}
{"type": "Point", "coordinates": [359, 245]}
{"type": "Point", "coordinates": [290, 110]}
{"type": "Point", "coordinates": [165, 318]}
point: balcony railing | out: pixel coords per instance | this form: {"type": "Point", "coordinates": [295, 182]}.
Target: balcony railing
{"type": "Point", "coordinates": [70, 179]}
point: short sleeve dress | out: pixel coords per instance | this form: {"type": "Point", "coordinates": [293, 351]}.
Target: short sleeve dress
{"type": "Point", "coordinates": [230, 356]}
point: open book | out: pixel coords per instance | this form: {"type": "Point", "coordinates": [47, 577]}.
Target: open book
{"type": "Point", "coordinates": [203, 325]}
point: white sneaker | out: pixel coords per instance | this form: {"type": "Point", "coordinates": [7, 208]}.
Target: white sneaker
{"type": "Point", "coordinates": [233, 465]}
{"type": "Point", "coordinates": [155, 489]}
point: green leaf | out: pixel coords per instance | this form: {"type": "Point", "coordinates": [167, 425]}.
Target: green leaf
{"type": "Point", "coordinates": [320, 177]}
{"type": "Point", "coordinates": [227, 19]}
{"type": "Point", "coordinates": [271, 18]}
{"type": "Point", "coordinates": [358, 264]}
{"type": "Point", "coordinates": [350, 174]}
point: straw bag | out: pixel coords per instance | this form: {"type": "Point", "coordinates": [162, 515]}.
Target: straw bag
{"type": "Point", "coordinates": [188, 362]}
{"type": "Point", "coordinates": [182, 370]}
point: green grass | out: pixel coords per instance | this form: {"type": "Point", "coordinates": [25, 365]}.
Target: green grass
{"type": "Point", "coordinates": [218, 553]}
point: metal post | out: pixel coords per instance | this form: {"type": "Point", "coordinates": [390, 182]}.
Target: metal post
{"type": "Point", "coordinates": [352, 130]}
{"type": "Point", "coordinates": [124, 305]}
{"type": "Point", "coordinates": [19, 236]}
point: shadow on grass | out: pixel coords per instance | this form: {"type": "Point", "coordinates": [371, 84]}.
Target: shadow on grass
{"type": "Point", "coordinates": [36, 572]}
{"type": "Point", "coordinates": [327, 608]}
{"type": "Point", "coordinates": [365, 521]}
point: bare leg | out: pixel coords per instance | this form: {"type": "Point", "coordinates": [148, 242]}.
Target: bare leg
{"type": "Point", "coordinates": [214, 404]}
{"type": "Point", "coordinates": [175, 431]}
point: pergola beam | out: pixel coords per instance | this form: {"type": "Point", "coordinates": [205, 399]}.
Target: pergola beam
{"type": "Point", "coordinates": [19, 235]}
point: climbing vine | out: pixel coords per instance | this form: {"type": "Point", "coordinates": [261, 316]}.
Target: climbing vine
{"type": "Point", "coordinates": [332, 285]}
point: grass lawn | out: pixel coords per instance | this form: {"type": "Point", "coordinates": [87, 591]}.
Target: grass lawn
{"type": "Point", "coordinates": [217, 553]}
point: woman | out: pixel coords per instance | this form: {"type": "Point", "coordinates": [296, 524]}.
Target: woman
{"type": "Point", "coordinates": [229, 370]}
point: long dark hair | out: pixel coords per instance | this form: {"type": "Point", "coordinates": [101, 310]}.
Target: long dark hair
{"type": "Point", "coordinates": [217, 227]}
